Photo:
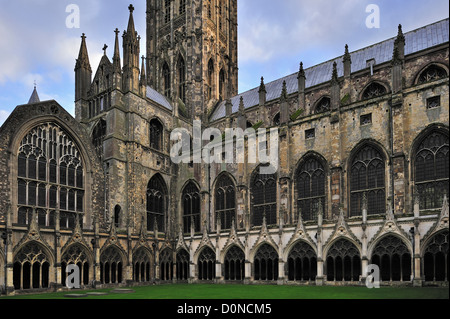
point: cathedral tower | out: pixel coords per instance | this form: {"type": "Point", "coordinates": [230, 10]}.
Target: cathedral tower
{"type": "Point", "coordinates": [192, 52]}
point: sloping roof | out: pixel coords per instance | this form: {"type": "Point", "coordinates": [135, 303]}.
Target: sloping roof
{"type": "Point", "coordinates": [157, 97]}
{"type": "Point", "coordinates": [34, 98]}
{"type": "Point", "coordinates": [417, 40]}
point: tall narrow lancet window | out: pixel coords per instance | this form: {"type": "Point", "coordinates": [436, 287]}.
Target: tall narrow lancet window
{"type": "Point", "coordinates": [210, 78]}
{"type": "Point", "coordinates": [167, 11]}
{"type": "Point", "coordinates": [156, 204]}
{"type": "Point", "coordinates": [181, 67]}
{"type": "Point", "coordinates": [222, 85]}
{"type": "Point", "coordinates": [367, 176]}
{"type": "Point", "coordinates": [191, 208]}
{"type": "Point", "coordinates": [264, 199]}
{"type": "Point", "coordinates": [225, 201]}
{"type": "Point", "coordinates": [431, 170]}
{"type": "Point", "coordinates": [182, 9]}
{"type": "Point", "coordinates": [156, 135]}
{"type": "Point", "coordinates": [166, 78]}
{"type": "Point", "coordinates": [50, 172]}
{"type": "Point", "coordinates": [311, 188]}
{"type": "Point", "coordinates": [98, 136]}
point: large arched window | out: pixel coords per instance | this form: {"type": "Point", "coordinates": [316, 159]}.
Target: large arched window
{"type": "Point", "coordinates": [31, 268]}
{"type": "Point", "coordinates": [181, 71]}
{"type": "Point", "coordinates": [431, 73]}
{"type": "Point", "coordinates": [431, 169]}
{"type": "Point", "coordinates": [393, 258]}
{"type": "Point", "coordinates": [266, 263]}
{"type": "Point", "coordinates": [166, 78]}
{"type": "Point", "coordinates": [183, 265]}
{"type": "Point", "coordinates": [75, 255]}
{"type": "Point", "coordinates": [302, 263]}
{"type": "Point", "coordinates": [264, 199]}
{"type": "Point", "coordinates": [234, 264]}
{"type": "Point", "coordinates": [225, 201]}
{"type": "Point", "coordinates": [207, 264]}
{"type": "Point", "coordinates": [156, 203]}
{"type": "Point", "coordinates": [156, 135]}
{"type": "Point", "coordinates": [310, 188]}
{"type": "Point", "coordinates": [50, 171]}
{"type": "Point", "coordinates": [435, 260]}
{"type": "Point", "coordinates": [191, 208]}
{"type": "Point", "coordinates": [98, 136]}
{"type": "Point", "coordinates": [374, 90]}
{"type": "Point", "coordinates": [367, 176]}
{"type": "Point", "coordinates": [343, 262]}
{"type": "Point", "coordinates": [111, 266]}
{"type": "Point", "coordinates": [167, 11]}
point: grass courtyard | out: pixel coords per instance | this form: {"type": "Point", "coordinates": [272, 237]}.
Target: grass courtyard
{"type": "Point", "coordinates": [259, 292]}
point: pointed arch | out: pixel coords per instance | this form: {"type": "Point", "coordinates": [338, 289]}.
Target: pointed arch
{"type": "Point", "coordinates": [374, 89]}
{"type": "Point", "coordinates": [234, 263]}
{"type": "Point", "coordinates": [431, 72]}
{"type": "Point", "coordinates": [157, 203]}
{"type": "Point", "coordinates": [182, 264]}
{"type": "Point", "coordinates": [181, 78]}
{"type": "Point", "coordinates": [435, 264]}
{"type": "Point", "coordinates": [80, 255]}
{"type": "Point", "coordinates": [265, 263]}
{"type": "Point", "coordinates": [112, 261]}
{"type": "Point", "coordinates": [210, 78]}
{"type": "Point", "coordinates": [263, 190]}
{"type": "Point", "coordinates": [142, 264]}
{"type": "Point", "coordinates": [310, 186]}
{"type": "Point", "coordinates": [166, 264]}
{"type": "Point", "coordinates": [166, 77]}
{"type": "Point", "coordinates": [156, 134]}
{"type": "Point", "coordinates": [222, 85]}
{"type": "Point", "coordinates": [98, 135]}
{"type": "Point", "coordinates": [367, 175]}
{"type": "Point", "coordinates": [322, 105]}
{"type": "Point", "coordinates": [343, 260]}
{"type": "Point", "coordinates": [206, 264]}
{"type": "Point", "coordinates": [190, 203]}
{"type": "Point", "coordinates": [301, 262]}
{"type": "Point", "coordinates": [430, 166]}
{"type": "Point", "coordinates": [225, 200]}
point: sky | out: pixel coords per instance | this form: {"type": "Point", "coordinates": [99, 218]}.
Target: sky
{"type": "Point", "coordinates": [38, 46]}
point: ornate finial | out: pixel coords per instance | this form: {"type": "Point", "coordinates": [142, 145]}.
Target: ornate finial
{"type": "Point", "coordinates": [284, 93]}
{"type": "Point", "coordinates": [116, 31]}
{"type": "Point", "coordinates": [83, 36]}
{"type": "Point", "coordinates": [104, 49]}
{"type": "Point", "coordinates": [347, 56]}
{"type": "Point", "coordinates": [334, 77]}
{"type": "Point", "coordinates": [301, 72]}
{"type": "Point", "coordinates": [131, 8]}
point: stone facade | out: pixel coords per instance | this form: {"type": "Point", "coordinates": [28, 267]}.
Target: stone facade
{"type": "Point", "coordinates": [137, 217]}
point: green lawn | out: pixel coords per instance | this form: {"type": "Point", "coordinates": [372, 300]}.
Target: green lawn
{"type": "Point", "coordinates": [258, 292]}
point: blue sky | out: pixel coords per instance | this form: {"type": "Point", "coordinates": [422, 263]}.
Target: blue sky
{"type": "Point", "coordinates": [274, 36]}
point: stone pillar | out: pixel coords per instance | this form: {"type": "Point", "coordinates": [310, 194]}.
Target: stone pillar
{"type": "Point", "coordinates": [320, 278]}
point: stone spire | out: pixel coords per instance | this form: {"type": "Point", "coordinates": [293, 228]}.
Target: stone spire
{"type": "Point", "coordinates": [116, 58]}
{"type": "Point", "coordinates": [347, 62]}
{"type": "Point", "coordinates": [83, 78]}
{"type": "Point", "coordinates": [34, 96]}
{"type": "Point", "coordinates": [131, 50]}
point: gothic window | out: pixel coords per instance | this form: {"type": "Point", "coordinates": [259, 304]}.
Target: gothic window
{"type": "Point", "coordinates": [111, 266]}
{"type": "Point", "coordinates": [432, 73]}
{"type": "Point", "coordinates": [374, 90]}
{"type": "Point", "coordinates": [156, 135]}
{"type": "Point", "coordinates": [191, 208]}
{"type": "Point", "coordinates": [435, 261]}
{"type": "Point", "coordinates": [343, 262]}
{"type": "Point", "coordinates": [167, 11]}
{"type": "Point", "coordinates": [49, 169]}
{"type": "Point", "coordinates": [31, 268]}
{"type": "Point", "coordinates": [431, 169]}
{"type": "Point", "coordinates": [183, 265]}
{"type": "Point", "coordinates": [367, 176]}
{"type": "Point", "coordinates": [156, 203]}
{"type": "Point", "coordinates": [117, 216]}
{"type": "Point", "coordinates": [166, 265]}
{"type": "Point", "coordinates": [210, 78]}
{"type": "Point", "coordinates": [209, 9]}
{"type": "Point", "coordinates": [277, 120]}
{"type": "Point", "coordinates": [302, 263]}
{"type": "Point", "coordinates": [266, 263]}
{"type": "Point", "coordinates": [310, 188]}
{"type": "Point", "coordinates": [393, 258]}
{"type": "Point", "coordinates": [98, 136]}
{"type": "Point", "coordinates": [264, 199]}
{"type": "Point", "coordinates": [182, 7]}
{"type": "Point", "coordinates": [166, 78]}
{"type": "Point", "coordinates": [225, 201]}
{"type": "Point", "coordinates": [207, 264]}
{"type": "Point", "coordinates": [222, 85]}
{"type": "Point", "coordinates": [323, 106]}
{"type": "Point", "coordinates": [234, 264]}
{"type": "Point", "coordinates": [75, 255]}
{"type": "Point", "coordinates": [181, 79]}
{"type": "Point", "coordinates": [141, 266]}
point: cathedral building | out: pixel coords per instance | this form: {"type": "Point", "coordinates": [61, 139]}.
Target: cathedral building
{"type": "Point", "coordinates": [362, 179]}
